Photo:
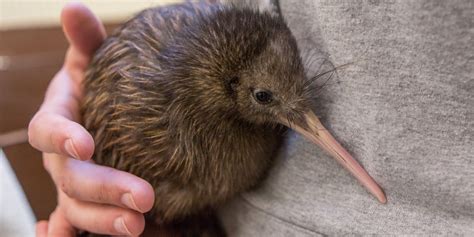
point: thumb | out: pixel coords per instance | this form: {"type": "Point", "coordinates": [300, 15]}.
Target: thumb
{"type": "Point", "coordinates": [83, 30]}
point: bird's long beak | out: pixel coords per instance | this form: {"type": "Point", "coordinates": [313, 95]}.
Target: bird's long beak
{"type": "Point", "coordinates": [315, 132]}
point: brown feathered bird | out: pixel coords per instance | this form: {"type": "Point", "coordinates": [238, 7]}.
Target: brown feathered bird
{"type": "Point", "coordinates": [193, 99]}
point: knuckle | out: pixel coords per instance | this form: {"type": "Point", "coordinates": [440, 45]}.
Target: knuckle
{"type": "Point", "coordinates": [104, 191]}
{"type": "Point", "coordinates": [101, 193]}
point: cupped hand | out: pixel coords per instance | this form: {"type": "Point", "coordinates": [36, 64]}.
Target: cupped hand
{"type": "Point", "coordinates": [90, 197]}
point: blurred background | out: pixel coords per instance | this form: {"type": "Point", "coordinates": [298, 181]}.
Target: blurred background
{"type": "Point", "coordinates": [32, 48]}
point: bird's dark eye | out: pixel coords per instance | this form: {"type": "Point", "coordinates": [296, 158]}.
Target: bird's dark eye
{"type": "Point", "coordinates": [263, 97]}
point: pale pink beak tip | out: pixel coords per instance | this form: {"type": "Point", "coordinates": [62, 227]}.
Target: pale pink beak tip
{"type": "Point", "coordinates": [319, 135]}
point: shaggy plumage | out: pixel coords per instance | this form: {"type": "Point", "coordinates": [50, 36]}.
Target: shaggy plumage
{"type": "Point", "coordinates": [170, 97]}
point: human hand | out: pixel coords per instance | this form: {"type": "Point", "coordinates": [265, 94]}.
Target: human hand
{"type": "Point", "coordinates": [90, 197]}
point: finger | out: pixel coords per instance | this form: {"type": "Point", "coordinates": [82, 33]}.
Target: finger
{"type": "Point", "coordinates": [85, 34]}
{"type": "Point", "coordinates": [94, 183]}
{"type": "Point", "coordinates": [42, 229]}
{"type": "Point", "coordinates": [53, 133]}
{"type": "Point", "coordinates": [59, 226]}
{"type": "Point", "coordinates": [103, 219]}
{"type": "Point", "coordinates": [83, 30]}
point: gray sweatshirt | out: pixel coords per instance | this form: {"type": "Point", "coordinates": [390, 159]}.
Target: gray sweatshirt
{"type": "Point", "coordinates": [404, 109]}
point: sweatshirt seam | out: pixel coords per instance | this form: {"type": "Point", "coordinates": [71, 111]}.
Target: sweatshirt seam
{"type": "Point", "coordinates": [289, 222]}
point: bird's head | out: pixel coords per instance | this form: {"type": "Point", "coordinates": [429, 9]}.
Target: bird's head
{"type": "Point", "coordinates": [244, 61]}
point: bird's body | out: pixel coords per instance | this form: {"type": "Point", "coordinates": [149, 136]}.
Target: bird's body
{"type": "Point", "coordinates": [192, 98]}
{"type": "Point", "coordinates": [150, 117]}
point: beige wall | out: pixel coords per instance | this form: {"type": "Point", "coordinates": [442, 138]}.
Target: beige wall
{"type": "Point", "coordinates": [38, 13]}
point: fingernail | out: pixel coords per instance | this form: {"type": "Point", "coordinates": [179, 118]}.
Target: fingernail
{"type": "Point", "coordinates": [128, 201]}
{"type": "Point", "coordinates": [71, 150]}
{"type": "Point", "coordinates": [119, 225]}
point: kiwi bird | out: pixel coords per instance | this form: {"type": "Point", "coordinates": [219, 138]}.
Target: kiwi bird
{"type": "Point", "coordinates": [194, 98]}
